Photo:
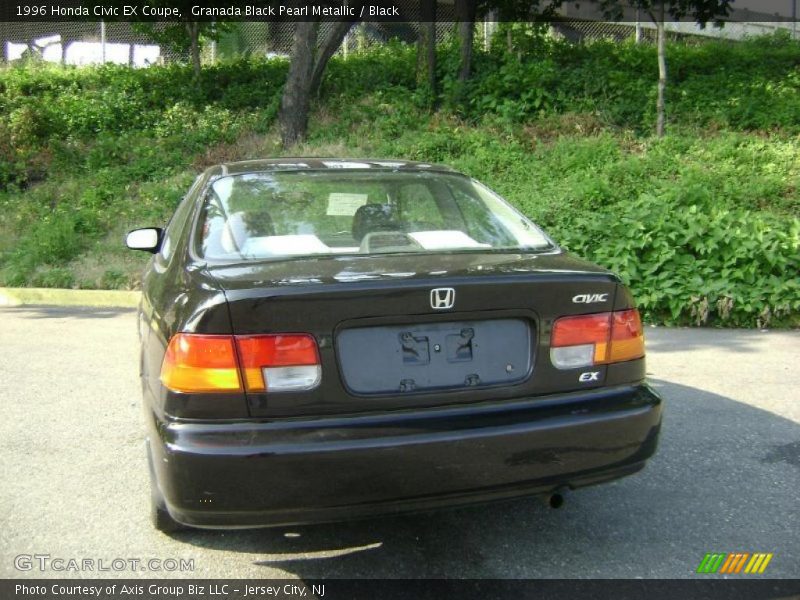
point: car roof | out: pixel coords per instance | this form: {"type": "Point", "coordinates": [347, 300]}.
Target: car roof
{"type": "Point", "coordinates": [321, 164]}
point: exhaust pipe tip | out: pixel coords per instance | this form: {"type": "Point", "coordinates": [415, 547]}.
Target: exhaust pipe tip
{"type": "Point", "coordinates": [555, 499]}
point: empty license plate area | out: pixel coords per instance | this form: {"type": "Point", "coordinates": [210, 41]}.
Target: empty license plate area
{"type": "Point", "coordinates": [434, 356]}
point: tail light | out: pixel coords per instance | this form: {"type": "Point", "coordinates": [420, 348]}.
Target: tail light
{"type": "Point", "coordinates": [279, 363]}
{"type": "Point", "coordinates": [201, 363]}
{"type": "Point", "coordinates": [627, 336]}
{"type": "Point", "coordinates": [226, 363]}
{"type": "Point", "coordinates": [602, 338]}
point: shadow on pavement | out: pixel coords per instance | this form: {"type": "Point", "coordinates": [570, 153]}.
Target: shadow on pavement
{"type": "Point", "coordinates": [68, 312]}
{"type": "Point", "coordinates": [725, 478]}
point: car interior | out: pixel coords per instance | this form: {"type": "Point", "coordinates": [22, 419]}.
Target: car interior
{"type": "Point", "coordinates": [378, 217]}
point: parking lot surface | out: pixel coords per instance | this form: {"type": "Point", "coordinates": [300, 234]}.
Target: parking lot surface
{"type": "Point", "coordinates": [726, 477]}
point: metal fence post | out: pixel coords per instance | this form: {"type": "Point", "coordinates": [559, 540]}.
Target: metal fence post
{"type": "Point", "coordinates": [213, 42]}
{"type": "Point", "coordinates": [638, 26]}
{"type": "Point", "coordinates": [346, 41]}
{"type": "Point", "coordinates": [489, 28]}
{"type": "Point", "coordinates": [103, 42]}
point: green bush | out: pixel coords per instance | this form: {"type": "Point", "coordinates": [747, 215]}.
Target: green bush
{"type": "Point", "coordinates": [114, 279]}
{"type": "Point", "coordinates": [702, 224]}
{"type": "Point", "coordinates": [696, 264]}
{"type": "Point", "coordinates": [749, 85]}
{"type": "Point", "coordinates": [51, 242]}
{"type": "Point", "coordinates": [54, 277]}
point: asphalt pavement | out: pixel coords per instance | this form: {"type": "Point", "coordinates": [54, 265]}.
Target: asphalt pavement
{"type": "Point", "coordinates": [726, 477]}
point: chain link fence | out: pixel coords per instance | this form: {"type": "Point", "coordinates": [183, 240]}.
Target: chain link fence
{"type": "Point", "coordinates": [645, 30]}
{"type": "Point", "coordinates": [82, 43]}
{"type": "Point", "coordinates": [73, 43]}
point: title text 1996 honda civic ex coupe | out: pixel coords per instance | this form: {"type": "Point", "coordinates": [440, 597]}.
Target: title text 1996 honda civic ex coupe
{"type": "Point", "coordinates": [325, 339]}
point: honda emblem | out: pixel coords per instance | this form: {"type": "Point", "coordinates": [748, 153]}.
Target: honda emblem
{"type": "Point", "coordinates": [443, 298]}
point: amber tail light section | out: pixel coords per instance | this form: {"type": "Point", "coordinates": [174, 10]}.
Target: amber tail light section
{"type": "Point", "coordinates": [201, 363]}
{"type": "Point", "coordinates": [196, 363]}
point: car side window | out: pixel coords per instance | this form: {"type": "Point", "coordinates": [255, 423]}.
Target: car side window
{"type": "Point", "coordinates": [166, 242]}
{"type": "Point", "coordinates": [177, 222]}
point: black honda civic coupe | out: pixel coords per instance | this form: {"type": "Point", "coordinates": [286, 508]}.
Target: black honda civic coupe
{"type": "Point", "coordinates": [325, 339]}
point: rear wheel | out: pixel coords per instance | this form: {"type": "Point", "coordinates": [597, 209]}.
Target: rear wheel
{"type": "Point", "coordinates": [159, 515]}
{"type": "Point", "coordinates": [161, 519]}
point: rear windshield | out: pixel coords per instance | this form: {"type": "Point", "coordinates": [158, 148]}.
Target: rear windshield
{"type": "Point", "coordinates": [258, 216]}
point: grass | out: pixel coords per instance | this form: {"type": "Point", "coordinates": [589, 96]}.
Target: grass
{"type": "Point", "coordinates": [576, 156]}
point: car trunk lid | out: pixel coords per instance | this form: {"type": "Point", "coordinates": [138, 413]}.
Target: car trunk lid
{"type": "Point", "coordinates": [404, 331]}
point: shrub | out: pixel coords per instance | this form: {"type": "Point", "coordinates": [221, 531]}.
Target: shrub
{"type": "Point", "coordinates": [55, 277]}
{"type": "Point", "coordinates": [696, 264]}
{"type": "Point", "coordinates": [50, 242]}
{"type": "Point", "coordinates": [702, 224]}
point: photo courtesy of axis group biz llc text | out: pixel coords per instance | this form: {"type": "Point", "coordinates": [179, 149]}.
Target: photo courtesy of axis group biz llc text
{"type": "Point", "coordinates": [166, 589]}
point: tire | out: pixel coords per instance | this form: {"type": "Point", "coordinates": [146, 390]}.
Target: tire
{"type": "Point", "coordinates": [159, 515]}
{"type": "Point", "coordinates": [161, 519]}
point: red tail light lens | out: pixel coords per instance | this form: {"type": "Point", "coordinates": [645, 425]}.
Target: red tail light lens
{"type": "Point", "coordinates": [587, 340]}
{"type": "Point", "coordinates": [580, 341]}
{"type": "Point", "coordinates": [223, 363]}
{"type": "Point", "coordinates": [279, 362]}
{"type": "Point", "coordinates": [200, 363]}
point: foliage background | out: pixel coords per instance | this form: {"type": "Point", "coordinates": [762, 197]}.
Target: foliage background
{"type": "Point", "coordinates": [703, 223]}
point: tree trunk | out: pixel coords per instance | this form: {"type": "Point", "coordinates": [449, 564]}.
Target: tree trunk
{"type": "Point", "coordinates": [327, 49]}
{"type": "Point", "coordinates": [4, 35]}
{"type": "Point", "coordinates": [426, 48]}
{"type": "Point", "coordinates": [430, 52]}
{"type": "Point", "coordinates": [465, 12]}
{"type": "Point", "coordinates": [193, 28]}
{"type": "Point", "coordinates": [466, 34]}
{"type": "Point", "coordinates": [421, 54]}
{"type": "Point", "coordinates": [306, 69]}
{"type": "Point", "coordinates": [296, 100]}
{"type": "Point", "coordinates": [662, 75]}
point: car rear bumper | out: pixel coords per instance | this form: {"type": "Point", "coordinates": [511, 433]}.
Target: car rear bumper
{"type": "Point", "coordinates": [301, 471]}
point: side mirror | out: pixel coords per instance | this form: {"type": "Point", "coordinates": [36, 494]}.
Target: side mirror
{"type": "Point", "coordinates": [148, 239]}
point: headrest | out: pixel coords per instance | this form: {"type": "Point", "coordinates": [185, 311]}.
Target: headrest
{"type": "Point", "coordinates": [374, 217]}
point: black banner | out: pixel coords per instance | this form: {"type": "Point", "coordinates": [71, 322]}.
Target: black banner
{"type": "Point", "coordinates": [363, 10]}
{"type": "Point", "coordinates": [418, 589]}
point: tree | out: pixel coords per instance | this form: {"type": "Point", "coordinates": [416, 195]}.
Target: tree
{"type": "Point", "coordinates": [466, 12]}
{"type": "Point", "coordinates": [309, 58]}
{"type": "Point", "coordinates": [426, 48]}
{"type": "Point", "coordinates": [184, 36]}
{"type": "Point", "coordinates": [702, 11]}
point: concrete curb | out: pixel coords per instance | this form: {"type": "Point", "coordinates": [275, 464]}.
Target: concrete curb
{"type": "Point", "coordinates": [62, 297]}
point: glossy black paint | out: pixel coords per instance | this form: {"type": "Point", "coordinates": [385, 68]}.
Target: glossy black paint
{"type": "Point", "coordinates": [298, 471]}
{"type": "Point", "coordinates": [272, 458]}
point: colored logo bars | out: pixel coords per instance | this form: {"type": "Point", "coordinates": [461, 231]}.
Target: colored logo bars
{"type": "Point", "coordinates": [734, 562]}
